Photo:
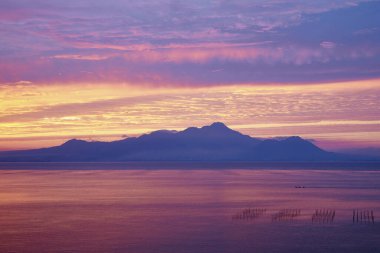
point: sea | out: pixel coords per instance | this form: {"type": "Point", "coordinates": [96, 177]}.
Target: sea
{"type": "Point", "coordinates": [189, 207]}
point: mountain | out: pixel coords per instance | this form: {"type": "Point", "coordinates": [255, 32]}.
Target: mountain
{"type": "Point", "coordinates": [215, 142]}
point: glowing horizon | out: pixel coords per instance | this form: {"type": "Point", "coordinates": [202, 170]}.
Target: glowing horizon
{"type": "Point", "coordinates": [50, 115]}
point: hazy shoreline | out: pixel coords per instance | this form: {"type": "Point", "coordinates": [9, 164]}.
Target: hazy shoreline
{"type": "Point", "coordinates": [186, 165]}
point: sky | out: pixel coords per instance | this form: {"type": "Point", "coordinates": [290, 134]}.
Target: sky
{"type": "Point", "coordinates": [106, 70]}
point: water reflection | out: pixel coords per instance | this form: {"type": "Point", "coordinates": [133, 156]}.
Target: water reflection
{"type": "Point", "coordinates": [145, 211]}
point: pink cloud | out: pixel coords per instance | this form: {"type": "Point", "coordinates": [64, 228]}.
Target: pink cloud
{"type": "Point", "coordinates": [327, 44]}
{"type": "Point", "coordinates": [201, 53]}
{"type": "Point", "coordinates": [92, 57]}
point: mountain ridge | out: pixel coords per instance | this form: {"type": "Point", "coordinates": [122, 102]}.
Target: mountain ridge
{"type": "Point", "coordinates": [215, 142]}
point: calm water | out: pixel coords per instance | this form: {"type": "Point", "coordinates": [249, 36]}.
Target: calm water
{"type": "Point", "coordinates": [189, 211]}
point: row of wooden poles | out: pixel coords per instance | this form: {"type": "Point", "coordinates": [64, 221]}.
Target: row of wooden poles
{"type": "Point", "coordinates": [250, 213]}
{"type": "Point", "coordinates": [363, 216]}
{"type": "Point", "coordinates": [319, 216]}
{"type": "Point", "coordinates": [286, 214]}
{"type": "Point", "coordinates": [323, 216]}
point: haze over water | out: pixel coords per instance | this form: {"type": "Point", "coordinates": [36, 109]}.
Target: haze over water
{"type": "Point", "coordinates": [225, 210]}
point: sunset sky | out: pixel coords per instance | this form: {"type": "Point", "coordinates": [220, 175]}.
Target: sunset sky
{"type": "Point", "coordinates": [106, 70]}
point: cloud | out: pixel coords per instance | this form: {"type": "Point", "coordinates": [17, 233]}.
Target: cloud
{"type": "Point", "coordinates": [327, 44]}
{"type": "Point", "coordinates": [81, 57]}
{"type": "Point", "coordinates": [181, 43]}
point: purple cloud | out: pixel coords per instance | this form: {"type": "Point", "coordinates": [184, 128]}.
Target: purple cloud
{"type": "Point", "coordinates": [184, 42]}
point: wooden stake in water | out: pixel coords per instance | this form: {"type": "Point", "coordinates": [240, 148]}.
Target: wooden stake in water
{"type": "Point", "coordinates": [373, 218]}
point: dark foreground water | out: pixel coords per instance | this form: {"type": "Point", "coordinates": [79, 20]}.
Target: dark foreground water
{"type": "Point", "coordinates": [189, 211]}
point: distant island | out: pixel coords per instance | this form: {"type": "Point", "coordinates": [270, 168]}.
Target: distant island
{"type": "Point", "coordinates": [215, 142]}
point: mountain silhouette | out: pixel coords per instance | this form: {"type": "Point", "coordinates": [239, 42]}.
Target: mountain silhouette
{"type": "Point", "coordinates": [215, 142]}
